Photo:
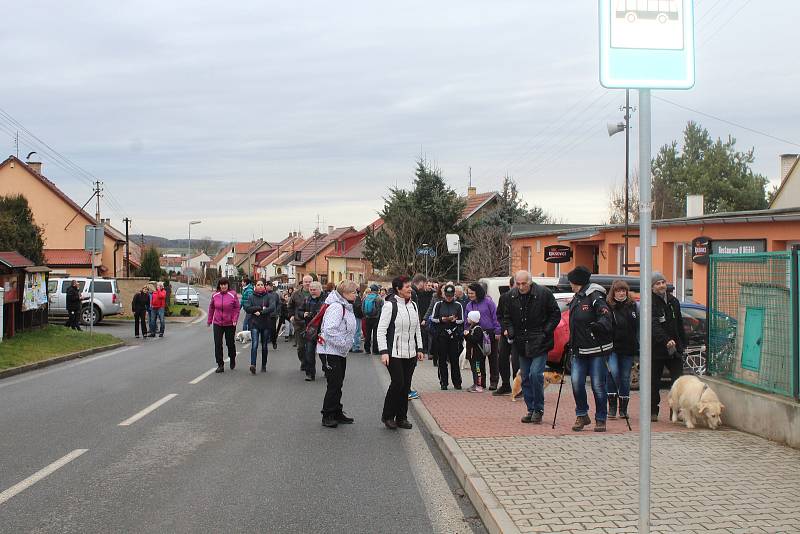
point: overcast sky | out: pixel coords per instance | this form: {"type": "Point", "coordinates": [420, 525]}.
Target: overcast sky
{"type": "Point", "coordinates": [256, 117]}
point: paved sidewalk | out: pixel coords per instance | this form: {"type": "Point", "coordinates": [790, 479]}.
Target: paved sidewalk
{"type": "Point", "coordinates": [556, 480]}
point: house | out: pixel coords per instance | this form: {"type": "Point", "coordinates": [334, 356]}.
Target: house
{"type": "Point", "coordinates": [314, 253]}
{"type": "Point", "coordinates": [245, 255]}
{"type": "Point", "coordinates": [196, 264]}
{"type": "Point", "coordinates": [348, 261]}
{"type": "Point", "coordinates": [63, 222]}
{"type": "Point", "coordinates": [171, 264]}
{"type": "Point", "coordinates": [788, 193]}
{"type": "Point", "coordinates": [222, 263]}
{"type": "Point", "coordinates": [268, 267]}
{"type": "Point", "coordinates": [478, 204]}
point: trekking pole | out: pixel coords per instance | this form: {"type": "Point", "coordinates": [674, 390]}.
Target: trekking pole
{"type": "Point", "coordinates": [561, 385]}
{"type": "Point", "coordinates": [614, 383]}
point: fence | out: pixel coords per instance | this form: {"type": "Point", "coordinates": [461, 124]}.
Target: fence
{"type": "Point", "coordinates": [753, 320]}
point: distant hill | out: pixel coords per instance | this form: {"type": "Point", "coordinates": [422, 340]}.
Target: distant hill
{"type": "Point", "coordinates": [210, 246]}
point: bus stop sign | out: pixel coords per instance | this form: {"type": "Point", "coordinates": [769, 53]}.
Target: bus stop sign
{"type": "Point", "coordinates": [647, 44]}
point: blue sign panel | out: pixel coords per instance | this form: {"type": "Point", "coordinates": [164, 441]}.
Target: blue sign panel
{"type": "Point", "coordinates": [647, 44]}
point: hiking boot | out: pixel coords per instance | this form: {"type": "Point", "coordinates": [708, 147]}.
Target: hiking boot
{"type": "Point", "coordinates": [344, 419]}
{"type": "Point", "coordinates": [253, 369]}
{"type": "Point", "coordinates": [612, 406]}
{"type": "Point", "coordinates": [443, 387]}
{"type": "Point", "coordinates": [263, 369]}
{"type": "Point", "coordinates": [502, 390]}
{"type": "Point", "coordinates": [580, 422]}
{"type": "Point", "coordinates": [330, 422]}
{"type": "Point", "coordinates": [405, 424]}
{"type": "Point", "coordinates": [654, 418]}
{"type": "Point", "coordinates": [492, 387]}
{"type": "Point", "coordinates": [390, 424]}
{"type": "Point", "coordinates": [233, 362]}
{"type": "Point", "coordinates": [623, 407]}
{"type": "Point", "coordinates": [599, 426]}
{"type": "Point", "coordinates": [534, 417]}
{"type": "Point", "coordinates": [220, 369]}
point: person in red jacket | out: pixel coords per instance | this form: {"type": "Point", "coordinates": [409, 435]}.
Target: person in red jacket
{"type": "Point", "coordinates": [223, 313]}
{"type": "Point", "coordinates": [158, 304]}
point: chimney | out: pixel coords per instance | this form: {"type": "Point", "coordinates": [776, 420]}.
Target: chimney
{"type": "Point", "coordinates": [330, 229]}
{"type": "Point", "coordinates": [694, 205]}
{"type": "Point", "coordinates": [35, 165]}
{"type": "Point", "coordinates": [787, 160]}
{"type": "Point", "coordinates": [472, 191]}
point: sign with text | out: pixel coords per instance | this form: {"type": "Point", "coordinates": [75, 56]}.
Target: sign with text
{"type": "Point", "coordinates": [738, 246]}
{"type": "Point", "coordinates": [557, 254]}
{"type": "Point", "coordinates": [701, 248]}
{"type": "Point", "coordinates": [647, 44]}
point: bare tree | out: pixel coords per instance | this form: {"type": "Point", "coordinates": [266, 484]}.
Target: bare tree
{"type": "Point", "coordinates": [616, 202]}
{"type": "Point", "coordinates": [488, 253]}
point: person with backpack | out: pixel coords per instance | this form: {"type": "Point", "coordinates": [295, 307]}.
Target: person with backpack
{"type": "Point", "coordinates": [480, 301]}
{"type": "Point", "coordinates": [625, 319]}
{"type": "Point", "coordinates": [338, 326]}
{"type": "Point", "coordinates": [305, 314]}
{"type": "Point", "coordinates": [261, 306]}
{"type": "Point", "coordinates": [400, 345]}
{"type": "Point", "coordinates": [591, 340]}
{"type": "Point", "coordinates": [448, 317]}
{"type": "Point", "coordinates": [372, 306]}
{"type": "Point", "coordinates": [478, 345]}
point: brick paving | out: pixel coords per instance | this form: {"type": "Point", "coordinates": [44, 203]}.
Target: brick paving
{"type": "Point", "coordinates": [561, 481]}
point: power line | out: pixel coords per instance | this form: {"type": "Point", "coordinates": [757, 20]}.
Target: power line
{"type": "Point", "coordinates": [759, 132]}
{"type": "Point", "coordinates": [725, 24]}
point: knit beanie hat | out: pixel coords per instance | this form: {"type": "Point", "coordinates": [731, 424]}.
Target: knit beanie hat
{"type": "Point", "coordinates": [579, 275]}
{"type": "Point", "coordinates": [657, 277]}
{"type": "Point", "coordinates": [474, 316]}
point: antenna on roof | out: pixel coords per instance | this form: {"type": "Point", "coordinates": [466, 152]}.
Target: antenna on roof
{"type": "Point", "coordinates": [470, 176]}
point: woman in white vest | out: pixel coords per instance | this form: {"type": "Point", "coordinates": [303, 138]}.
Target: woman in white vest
{"type": "Point", "coordinates": [400, 345]}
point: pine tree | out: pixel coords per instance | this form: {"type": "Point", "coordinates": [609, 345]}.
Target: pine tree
{"type": "Point", "coordinates": [18, 230]}
{"type": "Point", "coordinates": [151, 266]}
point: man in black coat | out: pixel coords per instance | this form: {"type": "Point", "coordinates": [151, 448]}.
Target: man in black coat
{"type": "Point", "coordinates": [73, 305]}
{"type": "Point", "coordinates": [507, 361]}
{"type": "Point", "coordinates": [668, 341]}
{"type": "Point", "coordinates": [139, 305]}
{"type": "Point", "coordinates": [529, 322]}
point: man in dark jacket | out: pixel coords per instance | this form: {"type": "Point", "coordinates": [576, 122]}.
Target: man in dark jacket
{"type": "Point", "coordinates": [304, 314]}
{"type": "Point", "coordinates": [529, 322]}
{"type": "Point", "coordinates": [296, 301]}
{"type": "Point", "coordinates": [73, 305]}
{"type": "Point", "coordinates": [507, 361]}
{"type": "Point", "coordinates": [448, 316]}
{"type": "Point", "coordinates": [275, 306]}
{"type": "Point", "coordinates": [141, 301]}
{"type": "Point", "coordinates": [590, 340]}
{"type": "Point", "coordinates": [422, 295]}
{"type": "Point", "coordinates": [669, 339]}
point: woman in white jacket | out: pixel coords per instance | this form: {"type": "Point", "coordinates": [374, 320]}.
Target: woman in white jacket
{"type": "Point", "coordinates": [400, 345]}
{"type": "Point", "coordinates": [335, 339]}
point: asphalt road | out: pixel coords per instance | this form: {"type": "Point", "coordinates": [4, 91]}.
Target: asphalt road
{"type": "Point", "coordinates": [229, 453]}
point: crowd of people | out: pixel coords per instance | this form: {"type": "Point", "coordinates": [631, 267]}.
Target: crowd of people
{"type": "Point", "coordinates": [149, 308]}
{"type": "Point", "coordinates": [418, 319]}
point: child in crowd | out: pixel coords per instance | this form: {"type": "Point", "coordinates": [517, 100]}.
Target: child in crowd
{"type": "Point", "coordinates": [475, 355]}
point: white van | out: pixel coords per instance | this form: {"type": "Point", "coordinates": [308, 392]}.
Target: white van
{"type": "Point", "coordinates": [498, 285]}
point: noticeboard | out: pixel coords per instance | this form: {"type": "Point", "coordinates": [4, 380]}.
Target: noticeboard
{"type": "Point", "coordinates": [647, 44]}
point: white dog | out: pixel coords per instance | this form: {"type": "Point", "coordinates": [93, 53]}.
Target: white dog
{"type": "Point", "coordinates": [243, 337]}
{"type": "Point", "coordinates": [695, 403]}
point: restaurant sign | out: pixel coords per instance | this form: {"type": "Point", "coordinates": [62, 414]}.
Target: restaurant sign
{"type": "Point", "coordinates": [738, 246]}
{"type": "Point", "coordinates": [701, 248]}
{"type": "Point", "coordinates": [557, 254]}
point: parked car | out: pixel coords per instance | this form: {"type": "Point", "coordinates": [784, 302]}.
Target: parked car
{"type": "Point", "coordinates": [181, 296]}
{"type": "Point", "coordinates": [106, 298]}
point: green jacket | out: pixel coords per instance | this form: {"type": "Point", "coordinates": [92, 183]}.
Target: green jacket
{"type": "Point", "coordinates": [247, 292]}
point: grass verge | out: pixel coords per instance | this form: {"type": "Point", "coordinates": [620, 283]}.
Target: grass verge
{"type": "Point", "coordinates": [176, 310]}
{"type": "Point", "coordinates": [50, 342]}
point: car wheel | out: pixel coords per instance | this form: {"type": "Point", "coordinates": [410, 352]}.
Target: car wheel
{"type": "Point", "coordinates": [88, 318]}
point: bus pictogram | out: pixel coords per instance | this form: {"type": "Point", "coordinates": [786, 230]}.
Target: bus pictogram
{"type": "Point", "coordinates": [662, 11]}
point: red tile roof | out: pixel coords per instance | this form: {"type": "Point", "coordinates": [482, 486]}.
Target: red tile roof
{"type": "Point", "coordinates": [475, 202]}
{"type": "Point", "coordinates": [67, 257]}
{"type": "Point", "coordinates": [14, 259]}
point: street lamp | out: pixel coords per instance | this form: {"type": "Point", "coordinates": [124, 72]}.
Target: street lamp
{"type": "Point", "coordinates": [425, 246]}
{"type": "Point", "coordinates": [189, 265]}
{"type": "Point", "coordinates": [612, 130]}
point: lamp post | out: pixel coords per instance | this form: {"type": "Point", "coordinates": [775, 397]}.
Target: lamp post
{"type": "Point", "coordinates": [189, 265]}
{"type": "Point", "coordinates": [615, 129]}
{"type": "Point", "coordinates": [425, 246]}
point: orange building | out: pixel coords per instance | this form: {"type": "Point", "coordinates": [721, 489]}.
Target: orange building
{"type": "Point", "coordinates": [601, 248]}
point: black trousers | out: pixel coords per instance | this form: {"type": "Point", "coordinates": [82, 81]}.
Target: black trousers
{"type": "Point", "coordinates": [448, 351]}
{"type": "Point", "coordinates": [140, 317]}
{"type": "Point", "coordinates": [494, 360]}
{"type": "Point", "coordinates": [395, 406]}
{"type": "Point", "coordinates": [371, 335]}
{"type": "Point", "coordinates": [229, 332]}
{"type": "Point", "coordinates": [300, 341]}
{"type": "Point", "coordinates": [675, 366]}
{"type": "Point", "coordinates": [334, 373]}
{"type": "Point", "coordinates": [507, 362]}
{"type": "Point", "coordinates": [73, 318]}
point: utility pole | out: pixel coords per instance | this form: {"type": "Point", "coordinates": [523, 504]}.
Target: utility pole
{"type": "Point", "coordinates": [98, 188]}
{"type": "Point", "coordinates": [625, 268]}
{"type": "Point", "coordinates": [16, 142]}
{"type": "Point", "coordinates": [127, 222]}
{"type": "Point", "coordinates": [316, 247]}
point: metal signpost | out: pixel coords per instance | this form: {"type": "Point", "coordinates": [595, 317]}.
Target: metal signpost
{"type": "Point", "coordinates": [426, 251]}
{"type": "Point", "coordinates": [646, 45]}
{"type": "Point", "coordinates": [93, 244]}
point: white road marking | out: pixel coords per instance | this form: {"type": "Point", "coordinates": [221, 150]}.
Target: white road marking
{"type": "Point", "coordinates": [154, 406]}
{"type": "Point", "coordinates": [209, 372]}
{"type": "Point", "coordinates": [39, 475]}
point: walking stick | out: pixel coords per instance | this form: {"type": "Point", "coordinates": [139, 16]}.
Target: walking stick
{"type": "Point", "coordinates": [614, 383]}
{"type": "Point", "coordinates": [560, 386]}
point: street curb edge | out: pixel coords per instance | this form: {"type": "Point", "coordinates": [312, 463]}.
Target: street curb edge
{"type": "Point", "coordinates": [7, 373]}
{"type": "Point", "coordinates": [494, 516]}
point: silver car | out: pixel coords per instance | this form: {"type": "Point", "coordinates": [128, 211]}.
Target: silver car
{"type": "Point", "coordinates": [181, 298]}
{"type": "Point", "coordinates": [106, 298]}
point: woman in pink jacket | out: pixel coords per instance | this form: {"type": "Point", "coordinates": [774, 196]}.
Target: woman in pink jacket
{"type": "Point", "coordinates": [223, 313]}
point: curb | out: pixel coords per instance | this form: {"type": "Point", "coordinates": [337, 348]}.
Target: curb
{"type": "Point", "coordinates": [58, 359]}
{"type": "Point", "coordinates": [492, 513]}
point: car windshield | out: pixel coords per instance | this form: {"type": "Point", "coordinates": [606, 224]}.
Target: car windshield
{"type": "Point", "coordinates": [182, 291]}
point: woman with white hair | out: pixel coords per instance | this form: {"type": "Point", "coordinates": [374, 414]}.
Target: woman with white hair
{"type": "Point", "coordinates": [335, 340]}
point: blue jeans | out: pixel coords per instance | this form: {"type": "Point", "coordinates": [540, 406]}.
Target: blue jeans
{"type": "Point", "coordinates": [259, 336]}
{"type": "Point", "coordinates": [246, 322]}
{"type": "Point", "coordinates": [357, 336]}
{"type": "Point", "coordinates": [156, 315]}
{"type": "Point", "coordinates": [619, 379]}
{"type": "Point", "coordinates": [533, 381]}
{"type": "Point", "coordinates": [595, 367]}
